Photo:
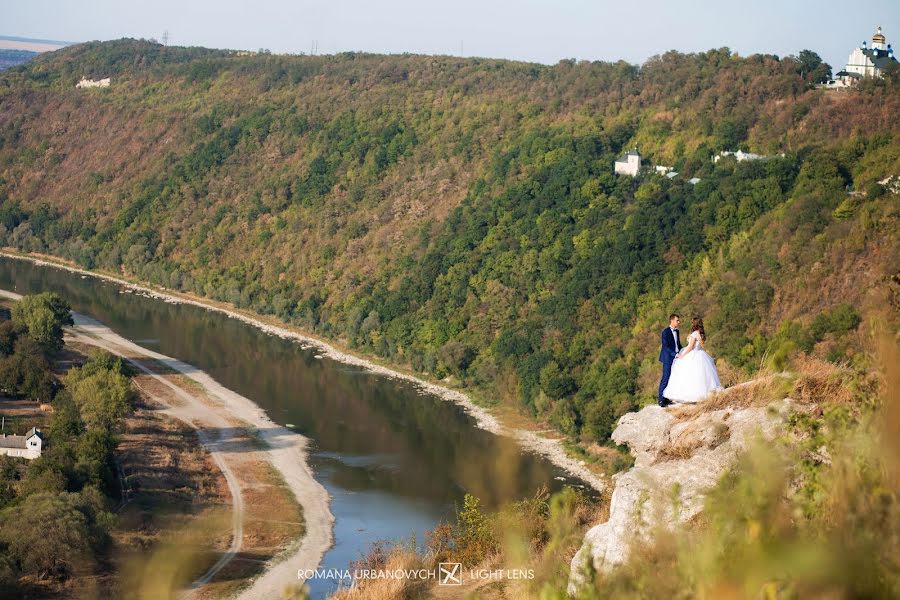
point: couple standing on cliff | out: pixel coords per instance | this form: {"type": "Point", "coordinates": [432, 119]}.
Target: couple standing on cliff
{"type": "Point", "coordinates": [689, 373]}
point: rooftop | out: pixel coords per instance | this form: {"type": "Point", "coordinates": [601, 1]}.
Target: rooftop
{"type": "Point", "coordinates": [627, 154]}
{"type": "Point", "coordinates": [18, 441]}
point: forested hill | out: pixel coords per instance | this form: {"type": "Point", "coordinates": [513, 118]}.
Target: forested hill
{"type": "Point", "coordinates": [461, 216]}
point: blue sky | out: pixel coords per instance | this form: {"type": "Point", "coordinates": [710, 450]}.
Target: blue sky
{"type": "Point", "coordinates": [541, 31]}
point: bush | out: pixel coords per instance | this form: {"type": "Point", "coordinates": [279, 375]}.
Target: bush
{"type": "Point", "coordinates": [475, 539]}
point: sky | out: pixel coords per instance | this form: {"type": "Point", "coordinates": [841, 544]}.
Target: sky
{"type": "Point", "coordinates": [538, 31]}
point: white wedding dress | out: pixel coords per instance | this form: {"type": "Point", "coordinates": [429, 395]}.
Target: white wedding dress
{"type": "Point", "coordinates": [694, 374]}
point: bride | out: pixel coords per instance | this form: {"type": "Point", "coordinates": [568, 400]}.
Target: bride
{"type": "Point", "coordinates": [694, 373]}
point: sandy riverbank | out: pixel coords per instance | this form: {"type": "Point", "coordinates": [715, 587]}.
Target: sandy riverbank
{"type": "Point", "coordinates": [285, 450]}
{"type": "Point", "coordinates": [551, 449]}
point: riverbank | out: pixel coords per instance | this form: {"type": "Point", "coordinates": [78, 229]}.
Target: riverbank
{"type": "Point", "coordinates": [232, 429]}
{"type": "Point", "coordinates": [550, 448]}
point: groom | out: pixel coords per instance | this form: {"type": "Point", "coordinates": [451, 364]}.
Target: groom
{"type": "Point", "coordinates": [671, 344]}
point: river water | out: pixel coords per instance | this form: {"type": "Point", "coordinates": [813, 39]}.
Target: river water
{"type": "Point", "coordinates": [395, 461]}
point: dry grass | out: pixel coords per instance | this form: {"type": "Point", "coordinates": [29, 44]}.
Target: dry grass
{"type": "Point", "coordinates": [389, 589]}
{"type": "Point", "coordinates": [678, 451]}
{"type": "Point", "coordinates": [20, 408]}
{"type": "Point", "coordinates": [819, 381]}
{"type": "Point", "coordinates": [760, 391]}
{"type": "Point", "coordinates": [688, 442]}
{"type": "Point", "coordinates": [812, 381]}
{"type": "Point", "coordinates": [155, 365]}
{"type": "Point", "coordinates": [183, 506]}
{"type": "Point", "coordinates": [179, 505]}
{"type": "Point", "coordinates": [273, 519]}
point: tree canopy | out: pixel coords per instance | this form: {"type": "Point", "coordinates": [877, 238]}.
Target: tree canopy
{"type": "Point", "coordinates": [461, 217]}
{"type": "Point", "coordinates": [44, 316]}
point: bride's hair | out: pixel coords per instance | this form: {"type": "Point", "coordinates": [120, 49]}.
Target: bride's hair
{"type": "Point", "coordinates": [697, 325]}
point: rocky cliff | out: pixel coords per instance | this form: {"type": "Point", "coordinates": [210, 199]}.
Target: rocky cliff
{"type": "Point", "coordinates": [679, 453]}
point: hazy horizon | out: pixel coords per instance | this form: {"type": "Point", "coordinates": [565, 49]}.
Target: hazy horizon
{"type": "Point", "coordinates": [531, 31]}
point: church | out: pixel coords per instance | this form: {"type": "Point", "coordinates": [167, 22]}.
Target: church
{"type": "Point", "coordinates": [866, 61]}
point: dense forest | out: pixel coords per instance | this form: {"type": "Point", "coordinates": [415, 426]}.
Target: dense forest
{"type": "Point", "coordinates": [461, 216]}
{"type": "Point", "coordinates": [56, 510]}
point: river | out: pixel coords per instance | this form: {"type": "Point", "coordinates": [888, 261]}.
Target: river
{"type": "Point", "coordinates": [395, 460]}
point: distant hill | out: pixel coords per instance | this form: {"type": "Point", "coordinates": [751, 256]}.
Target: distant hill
{"type": "Point", "coordinates": [17, 50]}
{"type": "Point", "coordinates": [8, 42]}
{"type": "Point", "coordinates": [11, 58]}
{"type": "Point", "coordinates": [461, 216]}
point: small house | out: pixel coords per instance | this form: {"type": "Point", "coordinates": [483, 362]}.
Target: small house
{"type": "Point", "coordinates": [28, 446]}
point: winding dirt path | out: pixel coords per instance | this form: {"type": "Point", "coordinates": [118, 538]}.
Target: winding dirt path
{"type": "Point", "coordinates": [217, 412]}
{"type": "Point", "coordinates": [212, 445]}
{"type": "Point", "coordinates": [286, 452]}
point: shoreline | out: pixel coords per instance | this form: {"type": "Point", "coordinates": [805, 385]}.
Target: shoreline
{"type": "Point", "coordinates": [550, 449]}
{"type": "Point", "coordinates": [287, 452]}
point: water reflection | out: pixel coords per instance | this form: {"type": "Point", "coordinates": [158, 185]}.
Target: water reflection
{"type": "Point", "coordinates": [394, 459]}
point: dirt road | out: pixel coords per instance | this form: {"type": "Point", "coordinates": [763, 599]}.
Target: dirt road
{"type": "Point", "coordinates": [218, 413]}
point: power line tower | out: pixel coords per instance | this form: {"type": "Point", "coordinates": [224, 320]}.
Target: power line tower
{"type": "Point", "coordinates": [314, 48]}
{"type": "Point", "coordinates": [165, 37]}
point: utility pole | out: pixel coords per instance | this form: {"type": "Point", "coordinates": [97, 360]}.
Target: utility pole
{"type": "Point", "coordinates": [314, 48]}
{"type": "Point", "coordinates": [165, 37]}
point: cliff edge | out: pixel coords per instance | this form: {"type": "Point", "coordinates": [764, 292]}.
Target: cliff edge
{"type": "Point", "coordinates": [680, 453]}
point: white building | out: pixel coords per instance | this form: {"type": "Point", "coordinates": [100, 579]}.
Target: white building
{"type": "Point", "coordinates": [662, 170]}
{"type": "Point", "coordinates": [24, 446]}
{"type": "Point", "coordinates": [740, 156]}
{"type": "Point", "coordinates": [90, 83]}
{"type": "Point", "coordinates": [629, 164]}
{"type": "Point", "coordinates": [865, 61]}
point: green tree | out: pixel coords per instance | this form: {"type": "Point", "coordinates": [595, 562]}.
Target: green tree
{"type": "Point", "coordinates": [44, 316]}
{"type": "Point", "coordinates": [103, 396]}
{"type": "Point", "coordinates": [26, 372]}
{"type": "Point", "coordinates": [811, 66]}
{"type": "Point", "coordinates": [48, 535]}
{"type": "Point", "coordinates": [457, 357]}
{"type": "Point", "coordinates": [9, 333]}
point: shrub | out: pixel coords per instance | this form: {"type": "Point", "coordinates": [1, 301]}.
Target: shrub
{"type": "Point", "coordinates": [475, 539]}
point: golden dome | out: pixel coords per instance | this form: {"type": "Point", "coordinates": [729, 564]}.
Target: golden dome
{"type": "Point", "coordinates": [878, 38]}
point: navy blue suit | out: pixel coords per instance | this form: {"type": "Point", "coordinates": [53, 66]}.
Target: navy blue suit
{"type": "Point", "coordinates": [671, 344]}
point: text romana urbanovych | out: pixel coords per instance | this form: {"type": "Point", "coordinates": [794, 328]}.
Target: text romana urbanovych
{"type": "Point", "coordinates": [446, 574]}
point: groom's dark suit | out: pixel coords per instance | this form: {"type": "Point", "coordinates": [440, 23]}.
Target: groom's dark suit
{"type": "Point", "coordinates": [671, 344]}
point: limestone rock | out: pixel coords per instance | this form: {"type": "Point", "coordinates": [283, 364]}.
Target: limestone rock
{"type": "Point", "coordinates": [676, 463]}
{"type": "Point", "coordinates": [645, 433]}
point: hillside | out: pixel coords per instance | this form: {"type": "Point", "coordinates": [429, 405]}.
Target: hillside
{"type": "Point", "coordinates": [460, 216]}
